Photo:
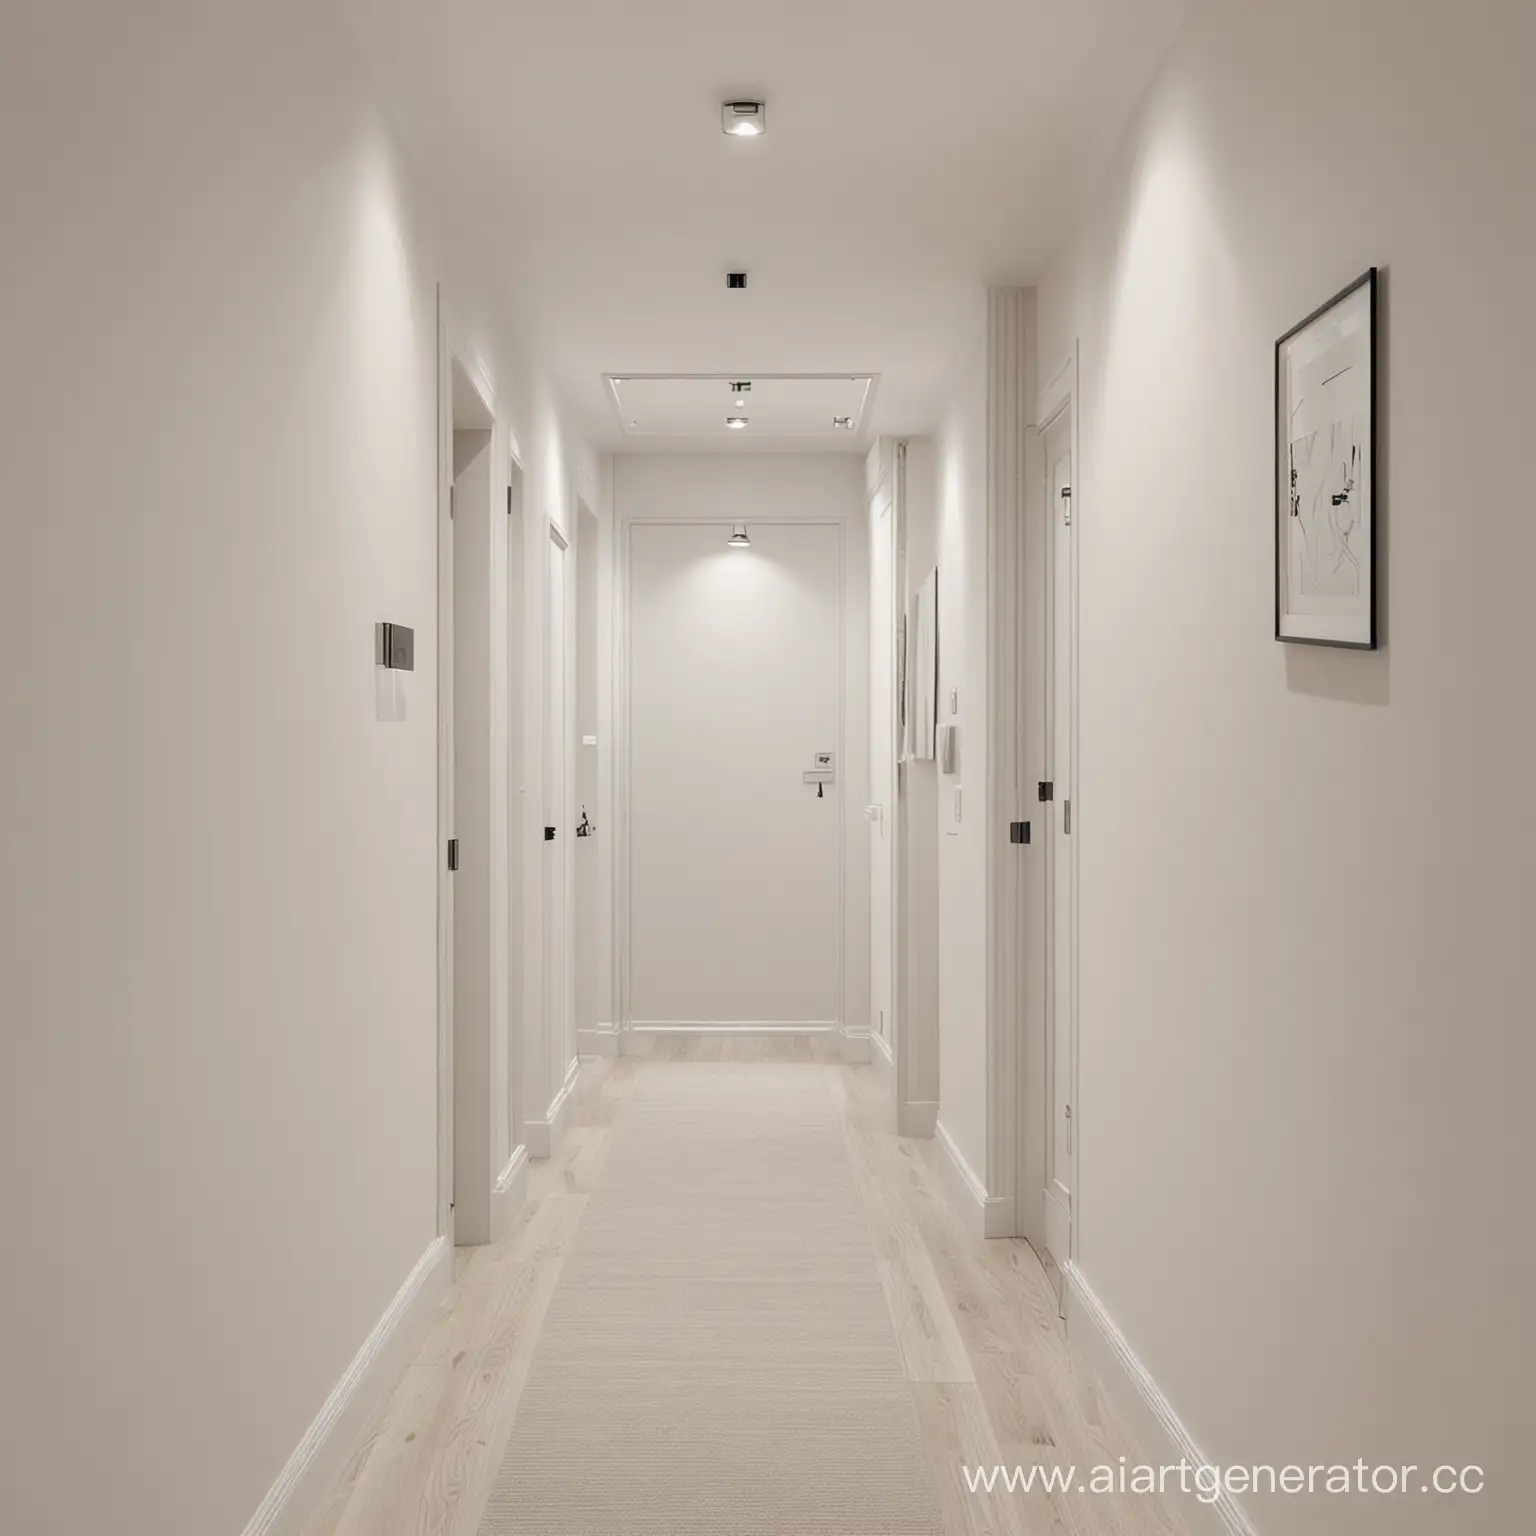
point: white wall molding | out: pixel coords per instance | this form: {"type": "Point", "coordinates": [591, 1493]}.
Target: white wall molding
{"type": "Point", "coordinates": [545, 1135]}
{"type": "Point", "coordinates": [319, 1458]}
{"type": "Point", "coordinates": [984, 1215]}
{"type": "Point", "coordinates": [1157, 1425]}
{"type": "Point", "coordinates": [600, 1041]}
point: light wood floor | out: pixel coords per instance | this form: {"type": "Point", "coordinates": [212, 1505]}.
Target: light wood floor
{"type": "Point", "coordinates": [991, 1374]}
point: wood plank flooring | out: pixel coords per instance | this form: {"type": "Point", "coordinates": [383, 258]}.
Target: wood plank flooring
{"type": "Point", "coordinates": [992, 1377]}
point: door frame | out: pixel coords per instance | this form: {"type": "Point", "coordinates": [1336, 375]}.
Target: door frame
{"type": "Point", "coordinates": [452, 353]}
{"type": "Point", "coordinates": [630, 1041]}
{"type": "Point", "coordinates": [557, 926]}
{"type": "Point", "coordinates": [1060, 396]}
{"type": "Point", "coordinates": [888, 483]}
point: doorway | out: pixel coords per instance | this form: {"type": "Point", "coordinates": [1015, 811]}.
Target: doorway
{"type": "Point", "coordinates": [473, 854]}
{"type": "Point", "coordinates": [1060, 904]}
{"type": "Point", "coordinates": [735, 781]}
{"type": "Point", "coordinates": [593, 1020]}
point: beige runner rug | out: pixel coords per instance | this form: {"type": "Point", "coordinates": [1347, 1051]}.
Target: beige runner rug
{"type": "Point", "coordinates": [718, 1357]}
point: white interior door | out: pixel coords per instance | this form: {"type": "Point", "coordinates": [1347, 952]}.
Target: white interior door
{"type": "Point", "coordinates": [735, 687]}
{"type": "Point", "coordinates": [882, 760]}
{"type": "Point", "coordinates": [557, 831]}
{"type": "Point", "coordinates": [1060, 733]}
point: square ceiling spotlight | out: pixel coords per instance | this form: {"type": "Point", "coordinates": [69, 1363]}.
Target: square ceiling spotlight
{"type": "Point", "coordinates": [744, 119]}
{"type": "Point", "coordinates": [778, 407]}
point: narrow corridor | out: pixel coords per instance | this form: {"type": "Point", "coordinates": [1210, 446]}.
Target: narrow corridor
{"type": "Point", "coordinates": [735, 1303]}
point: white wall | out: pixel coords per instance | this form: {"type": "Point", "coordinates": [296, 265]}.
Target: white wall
{"type": "Point", "coordinates": [762, 489]}
{"type": "Point", "coordinates": [1307, 986]}
{"type": "Point", "coordinates": [218, 459]}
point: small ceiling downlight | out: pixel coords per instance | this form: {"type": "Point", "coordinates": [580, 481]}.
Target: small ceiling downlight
{"type": "Point", "coordinates": [736, 422]}
{"type": "Point", "coordinates": [738, 538]}
{"type": "Point", "coordinates": [744, 119]}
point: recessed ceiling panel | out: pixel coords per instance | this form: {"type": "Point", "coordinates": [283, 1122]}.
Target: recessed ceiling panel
{"type": "Point", "coordinates": [826, 406]}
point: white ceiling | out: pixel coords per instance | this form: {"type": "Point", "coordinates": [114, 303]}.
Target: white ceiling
{"type": "Point", "coordinates": [916, 150]}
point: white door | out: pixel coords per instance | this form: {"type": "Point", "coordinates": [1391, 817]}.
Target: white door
{"type": "Point", "coordinates": [557, 831]}
{"type": "Point", "coordinates": [882, 760]}
{"type": "Point", "coordinates": [1060, 722]}
{"type": "Point", "coordinates": [735, 688]}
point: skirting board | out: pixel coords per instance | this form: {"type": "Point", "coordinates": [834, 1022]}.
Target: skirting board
{"type": "Point", "coordinates": [1095, 1336]}
{"type": "Point", "coordinates": [880, 1053]}
{"type": "Point", "coordinates": [545, 1135]}
{"type": "Point", "coordinates": [984, 1215]}
{"type": "Point", "coordinates": [509, 1193]}
{"type": "Point", "coordinates": [602, 1041]}
{"type": "Point", "coordinates": [321, 1456]}
{"type": "Point", "coordinates": [856, 1047]}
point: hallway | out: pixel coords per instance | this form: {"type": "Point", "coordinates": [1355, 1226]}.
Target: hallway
{"type": "Point", "coordinates": [735, 1303]}
{"type": "Point", "coordinates": [749, 753]}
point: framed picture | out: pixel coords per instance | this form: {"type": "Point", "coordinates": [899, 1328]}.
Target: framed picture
{"type": "Point", "coordinates": [1325, 473]}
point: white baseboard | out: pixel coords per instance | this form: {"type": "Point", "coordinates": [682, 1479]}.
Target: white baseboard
{"type": "Point", "coordinates": [919, 1119]}
{"type": "Point", "coordinates": [601, 1041]}
{"type": "Point", "coordinates": [546, 1134]}
{"type": "Point", "coordinates": [509, 1193]}
{"type": "Point", "coordinates": [880, 1053]}
{"type": "Point", "coordinates": [984, 1215]}
{"type": "Point", "coordinates": [1164, 1439]}
{"type": "Point", "coordinates": [321, 1456]}
{"type": "Point", "coordinates": [856, 1047]}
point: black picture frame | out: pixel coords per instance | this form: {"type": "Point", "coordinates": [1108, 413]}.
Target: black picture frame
{"type": "Point", "coordinates": [1284, 506]}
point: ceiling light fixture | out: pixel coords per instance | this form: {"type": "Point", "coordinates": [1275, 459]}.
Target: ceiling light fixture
{"type": "Point", "coordinates": [738, 538]}
{"type": "Point", "coordinates": [737, 422]}
{"type": "Point", "coordinates": [744, 119]}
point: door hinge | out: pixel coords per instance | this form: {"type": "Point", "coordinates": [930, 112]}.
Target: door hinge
{"type": "Point", "coordinates": [1066, 496]}
{"type": "Point", "coordinates": [1018, 832]}
{"type": "Point", "coordinates": [1046, 790]}
{"type": "Point", "coordinates": [1069, 1127]}
{"type": "Point", "coordinates": [453, 853]}
{"type": "Point", "coordinates": [1066, 818]}
{"type": "Point", "coordinates": [549, 834]}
